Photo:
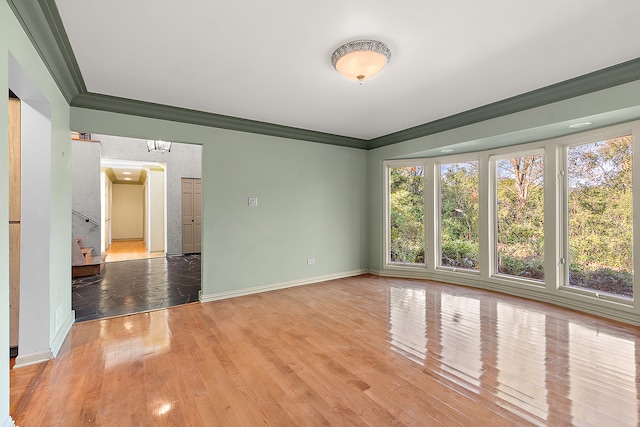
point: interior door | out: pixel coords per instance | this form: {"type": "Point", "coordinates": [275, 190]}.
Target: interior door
{"type": "Point", "coordinates": [188, 220]}
{"type": "Point", "coordinates": [191, 215]}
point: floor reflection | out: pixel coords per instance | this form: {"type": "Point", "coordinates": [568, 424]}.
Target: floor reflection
{"type": "Point", "coordinates": [460, 338]}
{"type": "Point", "coordinates": [548, 371]}
{"type": "Point", "coordinates": [407, 322]}
{"type": "Point", "coordinates": [123, 343]}
{"type": "Point", "coordinates": [520, 358]}
{"type": "Point", "coordinates": [602, 374]}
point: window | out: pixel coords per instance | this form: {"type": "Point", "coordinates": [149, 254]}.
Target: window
{"type": "Point", "coordinates": [600, 216]}
{"type": "Point", "coordinates": [459, 215]}
{"type": "Point", "coordinates": [406, 215]}
{"type": "Point", "coordinates": [519, 239]}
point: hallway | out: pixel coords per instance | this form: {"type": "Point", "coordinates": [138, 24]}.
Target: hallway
{"type": "Point", "coordinates": [126, 250]}
{"type": "Point", "coordinates": [136, 286]}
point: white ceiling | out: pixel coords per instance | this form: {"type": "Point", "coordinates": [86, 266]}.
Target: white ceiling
{"type": "Point", "coordinates": [270, 60]}
{"type": "Point", "coordinates": [127, 174]}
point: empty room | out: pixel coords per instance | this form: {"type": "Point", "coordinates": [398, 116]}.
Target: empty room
{"type": "Point", "coordinates": [412, 213]}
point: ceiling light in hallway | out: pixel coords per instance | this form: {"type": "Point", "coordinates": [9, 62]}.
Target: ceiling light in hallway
{"type": "Point", "coordinates": [157, 145]}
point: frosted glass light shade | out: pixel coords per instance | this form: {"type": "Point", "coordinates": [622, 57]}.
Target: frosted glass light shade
{"type": "Point", "coordinates": [360, 60]}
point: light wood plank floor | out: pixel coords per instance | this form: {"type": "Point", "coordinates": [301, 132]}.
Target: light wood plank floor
{"type": "Point", "coordinates": [127, 250]}
{"type": "Point", "coordinates": [357, 351]}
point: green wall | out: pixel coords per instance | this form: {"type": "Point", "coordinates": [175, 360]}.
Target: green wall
{"type": "Point", "coordinates": [311, 202]}
{"type": "Point", "coordinates": [14, 42]}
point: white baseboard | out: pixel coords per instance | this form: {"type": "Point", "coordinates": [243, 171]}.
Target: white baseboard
{"type": "Point", "coordinates": [32, 359]}
{"type": "Point", "coordinates": [62, 333]}
{"type": "Point", "coordinates": [42, 356]}
{"type": "Point", "coordinates": [9, 423]}
{"type": "Point", "coordinates": [275, 286]}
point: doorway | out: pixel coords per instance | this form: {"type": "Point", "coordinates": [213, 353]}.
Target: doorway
{"type": "Point", "coordinates": [133, 210]}
{"type": "Point", "coordinates": [14, 220]}
{"type": "Point", "coordinates": [165, 276]}
{"type": "Point", "coordinates": [38, 314]}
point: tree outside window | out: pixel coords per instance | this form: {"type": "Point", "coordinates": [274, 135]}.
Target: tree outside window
{"type": "Point", "coordinates": [520, 217]}
{"type": "Point", "coordinates": [459, 215]}
{"type": "Point", "coordinates": [600, 213]}
{"type": "Point", "coordinates": [406, 212]}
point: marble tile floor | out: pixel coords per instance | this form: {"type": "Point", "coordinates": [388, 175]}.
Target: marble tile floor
{"type": "Point", "coordinates": [135, 286]}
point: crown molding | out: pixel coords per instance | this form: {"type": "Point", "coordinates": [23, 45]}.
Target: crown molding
{"type": "Point", "coordinates": [41, 22]}
{"type": "Point", "coordinates": [616, 75]}
{"type": "Point", "coordinates": [114, 104]}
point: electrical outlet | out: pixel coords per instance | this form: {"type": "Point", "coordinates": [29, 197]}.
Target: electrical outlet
{"type": "Point", "coordinates": [253, 201]}
{"type": "Point", "coordinates": [311, 261]}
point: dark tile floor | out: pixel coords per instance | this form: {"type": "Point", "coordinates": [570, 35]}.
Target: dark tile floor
{"type": "Point", "coordinates": [127, 287]}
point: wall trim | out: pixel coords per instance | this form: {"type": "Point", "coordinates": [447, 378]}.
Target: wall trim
{"type": "Point", "coordinates": [32, 359]}
{"type": "Point", "coordinates": [276, 286]}
{"type": "Point", "coordinates": [114, 104]}
{"type": "Point", "coordinates": [615, 75]}
{"type": "Point", "coordinates": [42, 23]}
{"type": "Point", "coordinates": [62, 333]}
{"type": "Point", "coordinates": [9, 423]}
{"type": "Point", "coordinates": [573, 301]}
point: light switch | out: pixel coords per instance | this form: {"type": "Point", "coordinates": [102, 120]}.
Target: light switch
{"type": "Point", "coordinates": [253, 201]}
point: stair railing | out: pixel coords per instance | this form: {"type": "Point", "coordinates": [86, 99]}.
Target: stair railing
{"type": "Point", "coordinates": [86, 219]}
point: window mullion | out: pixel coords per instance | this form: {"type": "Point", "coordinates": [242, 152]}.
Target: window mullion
{"type": "Point", "coordinates": [431, 205]}
{"type": "Point", "coordinates": [486, 209]}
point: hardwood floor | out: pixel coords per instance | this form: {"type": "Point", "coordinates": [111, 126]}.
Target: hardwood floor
{"type": "Point", "coordinates": [127, 250]}
{"type": "Point", "coordinates": [356, 351]}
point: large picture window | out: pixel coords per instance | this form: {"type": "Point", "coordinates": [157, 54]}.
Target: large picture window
{"type": "Point", "coordinates": [459, 215]}
{"type": "Point", "coordinates": [600, 216]}
{"type": "Point", "coordinates": [406, 215]}
{"type": "Point", "coordinates": [520, 216]}
{"type": "Point", "coordinates": [552, 217]}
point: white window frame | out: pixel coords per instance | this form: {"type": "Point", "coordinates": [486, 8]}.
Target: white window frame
{"type": "Point", "coordinates": [493, 212]}
{"type": "Point", "coordinates": [437, 211]}
{"type": "Point", "coordinates": [563, 191]}
{"type": "Point", "coordinates": [387, 166]}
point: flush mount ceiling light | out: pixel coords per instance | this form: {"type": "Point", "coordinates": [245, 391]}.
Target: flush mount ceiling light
{"type": "Point", "coordinates": [361, 59]}
{"type": "Point", "coordinates": [159, 146]}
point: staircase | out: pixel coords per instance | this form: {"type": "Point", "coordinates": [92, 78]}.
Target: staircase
{"type": "Point", "coordinates": [83, 261]}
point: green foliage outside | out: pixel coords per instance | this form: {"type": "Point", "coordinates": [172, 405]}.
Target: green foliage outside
{"type": "Point", "coordinates": [601, 216]}
{"type": "Point", "coordinates": [599, 206]}
{"type": "Point", "coordinates": [520, 212]}
{"type": "Point", "coordinates": [406, 209]}
{"type": "Point", "coordinates": [459, 215]}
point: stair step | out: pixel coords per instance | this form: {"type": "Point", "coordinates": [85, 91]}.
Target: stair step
{"type": "Point", "coordinates": [93, 266]}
